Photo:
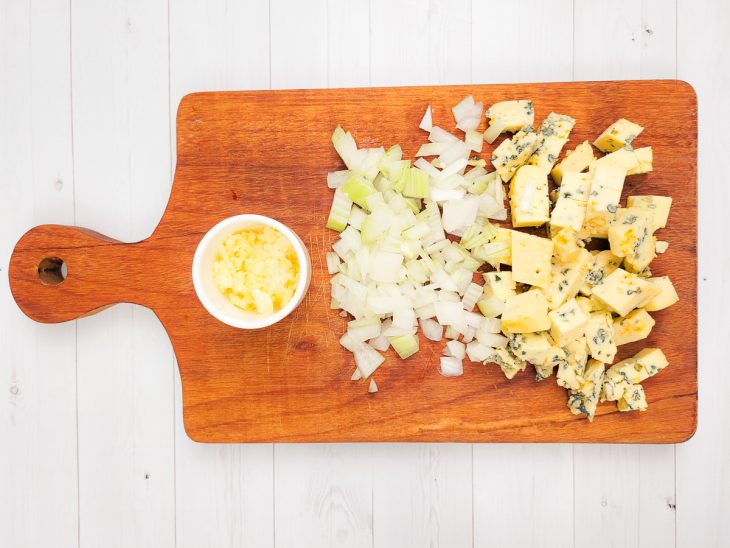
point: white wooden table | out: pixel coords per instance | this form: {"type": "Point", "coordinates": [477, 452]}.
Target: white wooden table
{"type": "Point", "coordinates": [92, 448]}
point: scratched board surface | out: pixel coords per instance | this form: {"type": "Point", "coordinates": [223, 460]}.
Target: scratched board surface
{"type": "Point", "coordinates": [268, 152]}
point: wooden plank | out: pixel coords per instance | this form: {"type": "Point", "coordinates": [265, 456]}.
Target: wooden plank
{"type": "Point", "coordinates": [504, 475]}
{"type": "Point", "coordinates": [635, 40]}
{"type": "Point", "coordinates": [422, 494]}
{"type": "Point", "coordinates": [502, 53]}
{"type": "Point", "coordinates": [38, 460]}
{"type": "Point", "coordinates": [217, 132]}
{"type": "Point", "coordinates": [224, 493]}
{"type": "Point", "coordinates": [322, 493]}
{"type": "Point", "coordinates": [420, 45]}
{"type": "Point", "coordinates": [703, 467]}
{"type": "Point", "coordinates": [125, 375]}
{"type": "Point", "coordinates": [523, 495]}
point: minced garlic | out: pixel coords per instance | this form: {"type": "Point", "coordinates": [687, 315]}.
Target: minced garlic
{"type": "Point", "coordinates": [257, 269]}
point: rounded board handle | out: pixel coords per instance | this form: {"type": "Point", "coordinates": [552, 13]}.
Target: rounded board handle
{"type": "Point", "coordinates": [60, 273]}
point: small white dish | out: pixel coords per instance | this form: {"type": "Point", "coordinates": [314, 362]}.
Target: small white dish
{"type": "Point", "coordinates": [218, 304]}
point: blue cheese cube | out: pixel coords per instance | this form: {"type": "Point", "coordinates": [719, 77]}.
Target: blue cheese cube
{"type": "Point", "coordinates": [528, 196]}
{"type": "Point", "coordinates": [604, 263]}
{"type": "Point", "coordinates": [507, 362]}
{"type": "Point", "coordinates": [512, 153]}
{"type": "Point", "coordinates": [555, 357]}
{"type": "Point", "coordinates": [630, 237]}
{"type": "Point", "coordinates": [530, 347]}
{"type": "Point", "coordinates": [645, 158]}
{"type": "Point", "coordinates": [531, 257]}
{"type": "Point", "coordinates": [526, 313]}
{"type": "Point", "coordinates": [567, 278]}
{"type": "Point", "coordinates": [514, 115]}
{"type": "Point", "coordinates": [666, 297]}
{"type": "Point", "coordinates": [603, 202]}
{"type": "Point", "coordinates": [636, 325]}
{"type": "Point", "coordinates": [623, 291]}
{"type": "Point", "coordinates": [633, 399]}
{"type": "Point", "coordinates": [659, 206]}
{"type": "Point", "coordinates": [552, 136]}
{"type": "Point", "coordinates": [623, 158]}
{"type": "Point", "coordinates": [599, 335]}
{"type": "Point", "coordinates": [568, 322]}
{"type": "Point", "coordinates": [617, 135]}
{"type": "Point", "coordinates": [649, 362]}
{"type": "Point", "coordinates": [584, 400]}
{"type": "Point", "coordinates": [575, 161]}
{"type": "Point", "coordinates": [500, 284]}
{"type": "Point", "coordinates": [570, 206]}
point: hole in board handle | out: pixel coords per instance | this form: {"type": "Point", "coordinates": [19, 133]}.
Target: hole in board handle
{"type": "Point", "coordinates": [52, 271]}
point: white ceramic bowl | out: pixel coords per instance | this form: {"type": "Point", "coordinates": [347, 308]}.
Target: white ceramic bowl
{"type": "Point", "coordinates": [215, 302]}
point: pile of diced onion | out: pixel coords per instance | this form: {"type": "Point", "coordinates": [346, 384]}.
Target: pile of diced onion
{"type": "Point", "coordinates": [394, 267]}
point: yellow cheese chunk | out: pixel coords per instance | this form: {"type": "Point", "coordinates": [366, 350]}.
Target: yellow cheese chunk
{"type": "Point", "coordinates": [667, 294]}
{"type": "Point", "coordinates": [645, 157]}
{"type": "Point", "coordinates": [633, 399]}
{"type": "Point", "coordinates": [526, 313]}
{"type": "Point", "coordinates": [659, 206]}
{"type": "Point", "coordinates": [568, 322]}
{"type": "Point", "coordinates": [566, 279]}
{"type": "Point", "coordinates": [552, 136]}
{"type": "Point", "coordinates": [531, 257]}
{"type": "Point", "coordinates": [570, 206]}
{"type": "Point", "coordinates": [512, 153]}
{"type": "Point", "coordinates": [635, 326]}
{"type": "Point", "coordinates": [575, 161]}
{"type": "Point", "coordinates": [605, 195]}
{"type": "Point", "coordinates": [507, 362]}
{"type": "Point", "coordinates": [649, 362]}
{"type": "Point", "coordinates": [617, 135]}
{"type": "Point", "coordinates": [499, 284]}
{"type": "Point", "coordinates": [623, 291]}
{"type": "Point", "coordinates": [565, 245]}
{"type": "Point", "coordinates": [622, 157]}
{"type": "Point", "coordinates": [599, 335]}
{"type": "Point", "coordinates": [514, 115]}
{"type": "Point", "coordinates": [531, 347]}
{"type": "Point", "coordinates": [529, 197]}
{"type": "Point", "coordinates": [630, 236]}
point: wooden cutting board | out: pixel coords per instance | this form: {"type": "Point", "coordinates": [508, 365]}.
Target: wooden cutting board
{"type": "Point", "coordinates": [268, 152]}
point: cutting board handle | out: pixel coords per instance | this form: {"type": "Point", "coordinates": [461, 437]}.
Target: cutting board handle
{"type": "Point", "coordinates": [60, 273]}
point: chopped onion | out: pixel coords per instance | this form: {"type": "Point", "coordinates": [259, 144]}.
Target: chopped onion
{"type": "Point", "coordinates": [459, 214]}
{"type": "Point", "coordinates": [471, 296]}
{"type": "Point", "coordinates": [438, 135]}
{"type": "Point", "coordinates": [491, 339]}
{"type": "Point", "coordinates": [333, 262]}
{"type": "Point", "coordinates": [404, 345]}
{"type": "Point", "coordinates": [337, 178]}
{"type": "Point", "coordinates": [455, 349]}
{"type": "Point", "coordinates": [372, 387]}
{"type": "Point", "coordinates": [462, 108]}
{"type": "Point", "coordinates": [474, 140]}
{"type": "Point", "coordinates": [432, 330]}
{"type": "Point", "coordinates": [477, 352]}
{"type": "Point", "coordinates": [356, 376]}
{"type": "Point", "coordinates": [495, 129]}
{"type": "Point", "coordinates": [367, 360]}
{"type": "Point", "coordinates": [426, 122]}
{"type": "Point", "coordinates": [451, 367]}
{"type": "Point", "coordinates": [469, 334]}
{"type": "Point", "coordinates": [433, 149]}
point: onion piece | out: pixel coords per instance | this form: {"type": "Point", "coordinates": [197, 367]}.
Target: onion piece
{"type": "Point", "coordinates": [462, 108]}
{"type": "Point", "coordinates": [438, 135]}
{"type": "Point", "coordinates": [404, 345]}
{"type": "Point", "coordinates": [432, 330]}
{"type": "Point", "coordinates": [356, 376]}
{"type": "Point", "coordinates": [367, 360]}
{"type": "Point", "coordinates": [451, 367]}
{"type": "Point", "coordinates": [372, 387]}
{"type": "Point", "coordinates": [477, 352]}
{"type": "Point", "coordinates": [454, 349]}
{"type": "Point", "coordinates": [472, 294]}
{"type": "Point", "coordinates": [495, 129]}
{"type": "Point", "coordinates": [427, 120]}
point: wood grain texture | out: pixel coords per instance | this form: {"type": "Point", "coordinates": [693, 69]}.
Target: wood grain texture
{"type": "Point", "coordinates": [38, 458]}
{"type": "Point", "coordinates": [235, 156]}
